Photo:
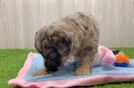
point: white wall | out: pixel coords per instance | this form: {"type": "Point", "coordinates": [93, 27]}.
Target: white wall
{"type": "Point", "coordinates": [20, 19]}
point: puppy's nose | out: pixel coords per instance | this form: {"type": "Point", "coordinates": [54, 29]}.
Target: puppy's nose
{"type": "Point", "coordinates": [53, 61]}
{"type": "Point", "coordinates": [50, 66]}
{"type": "Point", "coordinates": [55, 56]}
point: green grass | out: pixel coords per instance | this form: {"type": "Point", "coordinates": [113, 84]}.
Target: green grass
{"type": "Point", "coordinates": [11, 60]}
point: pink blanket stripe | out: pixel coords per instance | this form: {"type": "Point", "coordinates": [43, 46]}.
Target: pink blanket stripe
{"type": "Point", "coordinates": [89, 81]}
{"type": "Point", "coordinates": [26, 66]}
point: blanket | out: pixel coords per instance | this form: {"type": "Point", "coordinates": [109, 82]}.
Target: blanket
{"type": "Point", "coordinates": [65, 77]}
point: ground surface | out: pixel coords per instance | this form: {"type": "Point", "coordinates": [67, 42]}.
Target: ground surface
{"type": "Point", "coordinates": [11, 60]}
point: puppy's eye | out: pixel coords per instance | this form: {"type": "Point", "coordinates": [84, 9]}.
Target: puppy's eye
{"type": "Point", "coordinates": [66, 41]}
{"type": "Point", "coordinates": [63, 40]}
{"type": "Point", "coordinates": [44, 44]}
{"type": "Point", "coordinates": [86, 27]}
{"type": "Point", "coordinates": [90, 48]}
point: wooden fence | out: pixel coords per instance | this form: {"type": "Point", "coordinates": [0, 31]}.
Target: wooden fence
{"type": "Point", "coordinates": [20, 19]}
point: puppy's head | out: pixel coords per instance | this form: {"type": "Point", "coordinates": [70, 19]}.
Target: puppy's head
{"type": "Point", "coordinates": [53, 43]}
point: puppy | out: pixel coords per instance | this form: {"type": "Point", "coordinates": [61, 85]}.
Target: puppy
{"type": "Point", "coordinates": [76, 35]}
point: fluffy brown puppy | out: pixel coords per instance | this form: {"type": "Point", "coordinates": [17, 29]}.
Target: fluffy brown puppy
{"type": "Point", "coordinates": [76, 35]}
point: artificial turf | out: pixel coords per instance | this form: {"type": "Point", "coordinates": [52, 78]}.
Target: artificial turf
{"type": "Point", "coordinates": [11, 60]}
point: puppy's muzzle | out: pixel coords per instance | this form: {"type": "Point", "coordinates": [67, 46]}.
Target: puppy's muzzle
{"type": "Point", "coordinates": [53, 60]}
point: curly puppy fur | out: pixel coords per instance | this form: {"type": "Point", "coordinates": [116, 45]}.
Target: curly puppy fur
{"type": "Point", "coordinates": [75, 35]}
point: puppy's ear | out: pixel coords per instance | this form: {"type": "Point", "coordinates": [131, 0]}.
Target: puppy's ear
{"type": "Point", "coordinates": [37, 43]}
{"type": "Point", "coordinates": [38, 46]}
{"type": "Point", "coordinates": [39, 37]}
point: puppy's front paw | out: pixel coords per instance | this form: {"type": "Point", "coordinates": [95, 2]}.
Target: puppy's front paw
{"type": "Point", "coordinates": [82, 71]}
{"type": "Point", "coordinates": [40, 72]}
